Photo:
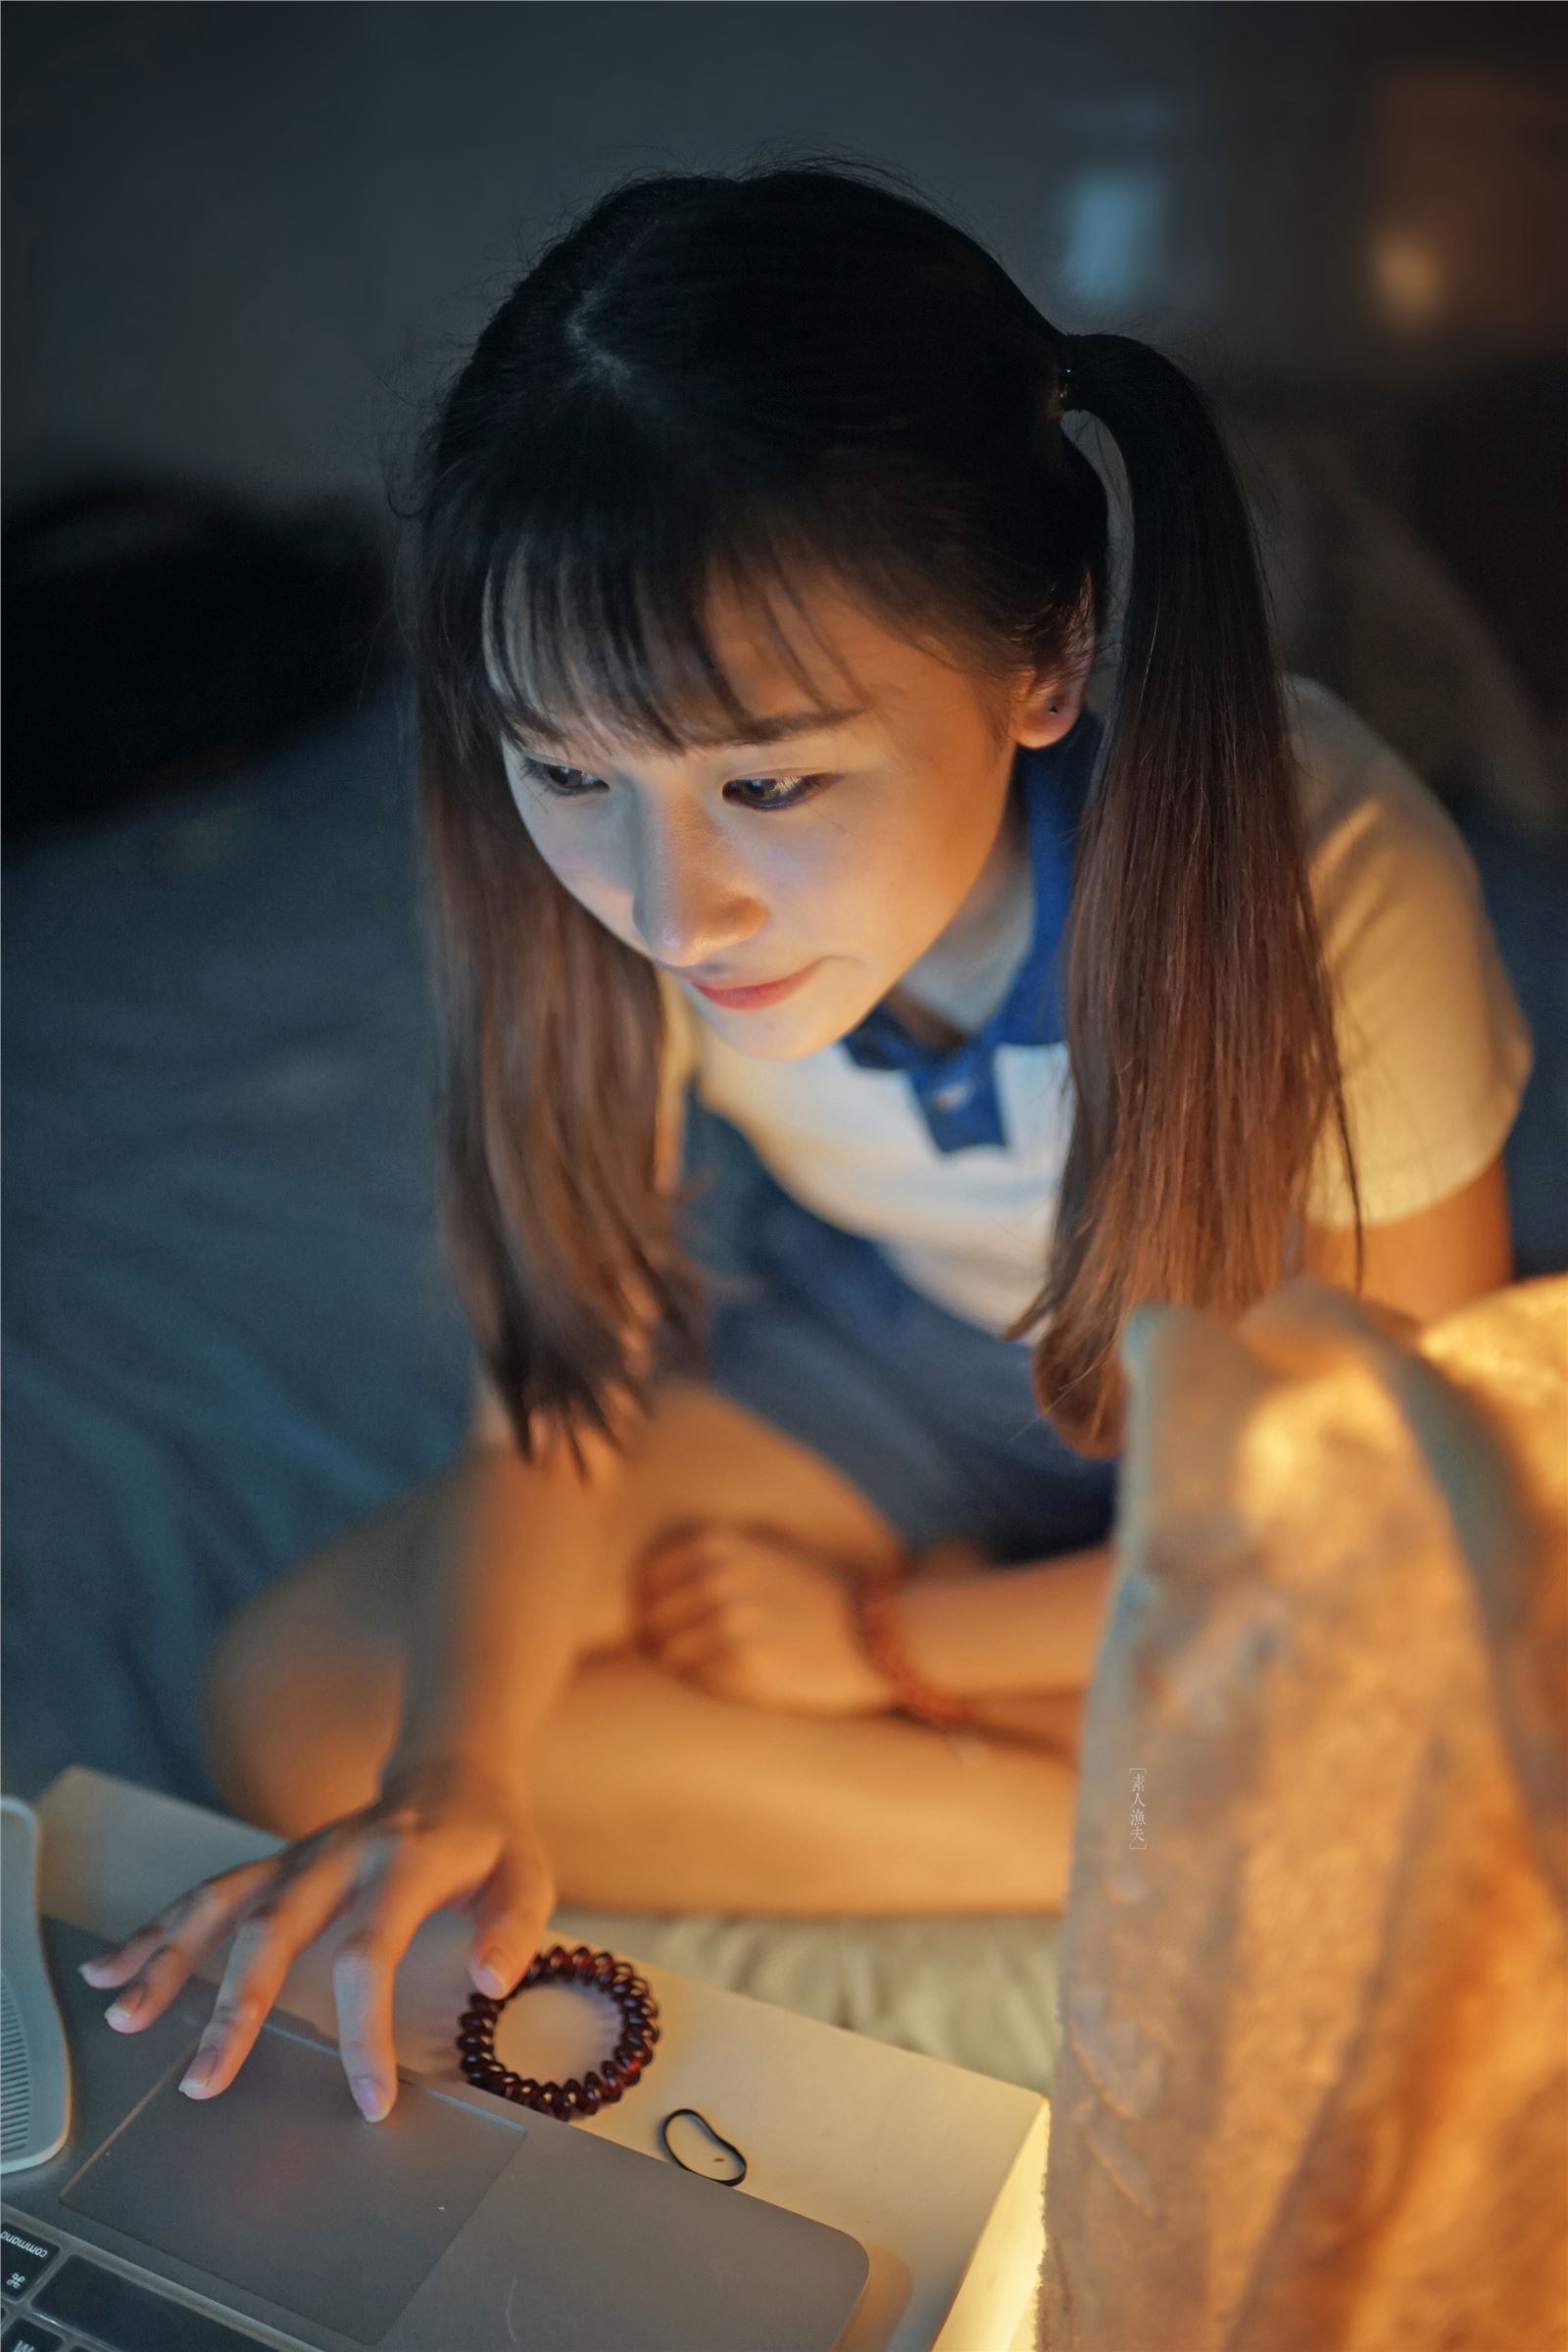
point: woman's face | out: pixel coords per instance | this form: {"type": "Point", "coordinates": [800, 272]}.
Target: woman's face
{"type": "Point", "coordinates": [831, 860]}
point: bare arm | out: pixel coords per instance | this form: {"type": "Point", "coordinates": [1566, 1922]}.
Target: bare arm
{"type": "Point", "coordinates": [1036, 1628]}
{"type": "Point", "coordinates": [1427, 1265]}
{"type": "Point", "coordinates": [1008, 1631]}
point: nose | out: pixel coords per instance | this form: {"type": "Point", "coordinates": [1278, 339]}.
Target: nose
{"type": "Point", "coordinates": [689, 907]}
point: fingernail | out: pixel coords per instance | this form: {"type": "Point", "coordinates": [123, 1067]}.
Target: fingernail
{"type": "Point", "coordinates": [372, 2099]}
{"type": "Point", "coordinates": [199, 2073]}
{"type": "Point", "coordinates": [123, 2008]}
{"type": "Point", "coordinates": [492, 1974]}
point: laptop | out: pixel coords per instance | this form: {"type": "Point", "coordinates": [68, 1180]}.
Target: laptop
{"type": "Point", "coordinates": [137, 2218]}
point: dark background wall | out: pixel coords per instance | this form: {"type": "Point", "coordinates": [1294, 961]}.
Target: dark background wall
{"type": "Point", "coordinates": [242, 239]}
{"type": "Point", "coordinates": [244, 242]}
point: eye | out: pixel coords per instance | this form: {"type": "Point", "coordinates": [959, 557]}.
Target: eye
{"type": "Point", "coordinates": [574, 784]}
{"type": "Point", "coordinates": [801, 787]}
{"type": "Point", "coordinates": [562, 783]}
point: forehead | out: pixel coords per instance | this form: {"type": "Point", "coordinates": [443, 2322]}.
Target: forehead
{"type": "Point", "coordinates": [796, 665]}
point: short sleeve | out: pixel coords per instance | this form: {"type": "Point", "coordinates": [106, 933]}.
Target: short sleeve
{"type": "Point", "coordinates": [1434, 1049]}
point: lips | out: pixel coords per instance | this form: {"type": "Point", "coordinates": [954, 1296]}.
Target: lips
{"type": "Point", "coordinates": [753, 999]}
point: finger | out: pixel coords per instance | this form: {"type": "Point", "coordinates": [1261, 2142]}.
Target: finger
{"type": "Point", "coordinates": [661, 1559]}
{"type": "Point", "coordinates": [672, 1567]}
{"type": "Point", "coordinates": [152, 1964]}
{"type": "Point", "coordinates": [679, 1604]}
{"type": "Point", "coordinates": [391, 1902]}
{"type": "Point", "coordinates": [779, 1539]}
{"type": "Point", "coordinates": [704, 1602]}
{"type": "Point", "coordinates": [706, 1568]}
{"type": "Point", "coordinates": [697, 1651]}
{"type": "Point", "coordinates": [267, 1943]}
{"type": "Point", "coordinates": [675, 1612]}
{"type": "Point", "coordinates": [514, 1912]}
{"type": "Point", "coordinates": [671, 1536]}
{"type": "Point", "coordinates": [709, 1540]}
{"type": "Point", "coordinates": [125, 1959]}
{"type": "Point", "coordinates": [114, 1967]}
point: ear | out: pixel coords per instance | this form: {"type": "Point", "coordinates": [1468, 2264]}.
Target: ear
{"type": "Point", "coordinates": [1048, 708]}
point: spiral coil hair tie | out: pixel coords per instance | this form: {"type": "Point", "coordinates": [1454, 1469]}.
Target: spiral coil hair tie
{"type": "Point", "coordinates": [602, 2084]}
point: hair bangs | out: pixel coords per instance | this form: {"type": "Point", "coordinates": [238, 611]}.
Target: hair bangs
{"type": "Point", "coordinates": [605, 636]}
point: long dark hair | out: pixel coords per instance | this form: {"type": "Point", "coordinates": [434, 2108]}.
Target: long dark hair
{"type": "Point", "coordinates": [739, 381]}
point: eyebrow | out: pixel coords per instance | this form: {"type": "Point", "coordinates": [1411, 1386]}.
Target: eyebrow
{"type": "Point", "coordinates": [780, 728]}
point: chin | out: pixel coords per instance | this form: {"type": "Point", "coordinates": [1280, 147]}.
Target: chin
{"type": "Point", "coordinates": [771, 1038]}
{"type": "Point", "coordinates": [784, 1032]}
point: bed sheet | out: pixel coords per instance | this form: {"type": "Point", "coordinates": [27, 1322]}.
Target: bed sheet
{"type": "Point", "coordinates": [228, 1330]}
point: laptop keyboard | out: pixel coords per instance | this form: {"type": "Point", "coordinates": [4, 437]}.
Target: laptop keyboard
{"type": "Point", "coordinates": [54, 2299]}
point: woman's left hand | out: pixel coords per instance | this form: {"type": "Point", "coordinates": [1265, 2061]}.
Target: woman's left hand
{"type": "Point", "coordinates": [749, 1614]}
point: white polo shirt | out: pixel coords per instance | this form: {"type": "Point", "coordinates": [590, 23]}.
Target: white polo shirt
{"type": "Point", "coordinates": [953, 1171]}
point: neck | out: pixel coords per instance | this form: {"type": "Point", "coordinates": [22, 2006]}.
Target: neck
{"type": "Point", "coordinates": [963, 975]}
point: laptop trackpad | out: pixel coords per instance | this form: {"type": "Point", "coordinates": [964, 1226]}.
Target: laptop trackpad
{"type": "Point", "coordinates": [281, 2187]}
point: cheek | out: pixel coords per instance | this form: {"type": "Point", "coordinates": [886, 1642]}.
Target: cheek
{"type": "Point", "coordinates": [865, 890]}
{"type": "Point", "coordinates": [825, 892]}
{"type": "Point", "coordinates": [579, 869]}
{"type": "Point", "coordinates": [580, 875]}
{"type": "Point", "coordinates": [561, 841]}
{"type": "Point", "coordinates": [912, 873]}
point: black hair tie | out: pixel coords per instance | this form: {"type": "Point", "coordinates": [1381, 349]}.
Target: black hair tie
{"type": "Point", "coordinates": [735, 2179]}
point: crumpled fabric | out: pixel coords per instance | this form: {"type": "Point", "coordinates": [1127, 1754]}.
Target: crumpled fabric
{"type": "Point", "coordinates": [1313, 2090]}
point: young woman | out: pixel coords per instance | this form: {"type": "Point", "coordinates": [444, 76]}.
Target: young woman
{"type": "Point", "coordinates": [811, 944]}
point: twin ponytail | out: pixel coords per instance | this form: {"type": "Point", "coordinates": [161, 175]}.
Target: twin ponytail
{"type": "Point", "coordinates": [1200, 1026]}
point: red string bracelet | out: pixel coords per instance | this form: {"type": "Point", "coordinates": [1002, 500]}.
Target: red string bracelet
{"type": "Point", "coordinates": [912, 1696]}
{"type": "Point", "coordinates": [602, 2084]}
